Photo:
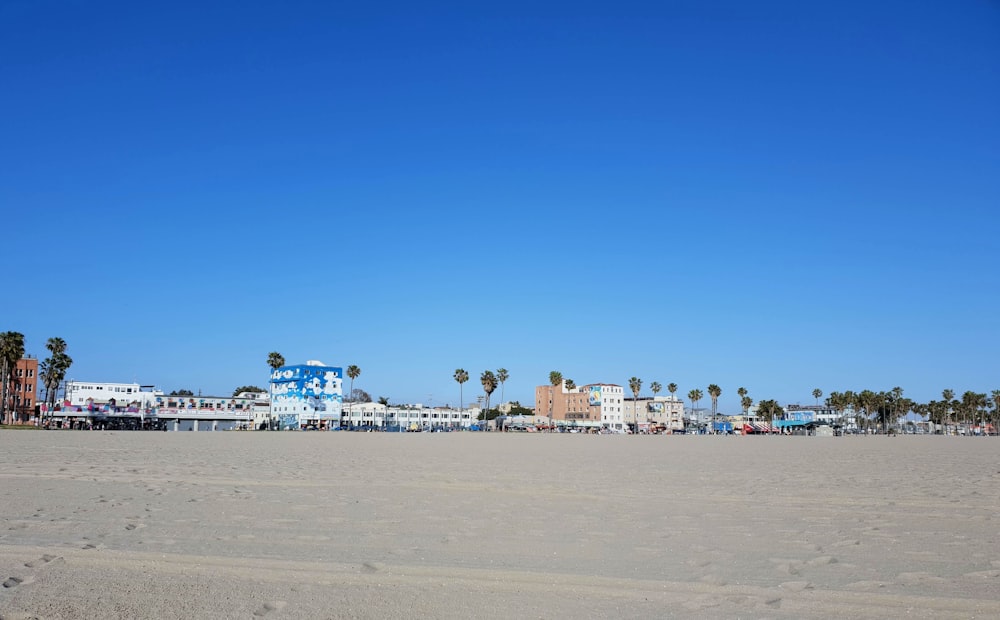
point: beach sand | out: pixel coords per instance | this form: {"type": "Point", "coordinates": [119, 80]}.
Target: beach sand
{"type": "Point", "coordinates": [461, 525]}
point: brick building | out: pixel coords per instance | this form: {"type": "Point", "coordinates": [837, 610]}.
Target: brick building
{"type": "Point", "coordinates": [23, 391]}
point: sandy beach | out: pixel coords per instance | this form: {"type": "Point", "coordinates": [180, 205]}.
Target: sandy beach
{"type": "Point", "coordinates": [352, 525]}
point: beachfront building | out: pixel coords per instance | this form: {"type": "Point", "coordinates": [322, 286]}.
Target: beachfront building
{"type": "Point", "coordinates": [307, 395]}
{"type": "Point", "coordinates": [406, 417]}
{"type": "Point", "coordinates": [596, 405]}
{"type": "Point", "coordinates": [91, 395]}
{"type": "Point", "coordinates": [657, 414]}
{"type": "Point", "coordinates": [22, 392]}
{"type": "Point", "coordinates": [204, 413]}
{"type": "Point", "coordinates": [819, 414]}
{"type": "Point", "coordinates": [696, 419]}
{"type": "Point", "coordinates": [507, 407]}
{"type": "Point", "coordinates": [260, 410]}
{"type": "Point", "coordinates": [356, 415]}
{"type": "Point", "coordinates": [130, 405]}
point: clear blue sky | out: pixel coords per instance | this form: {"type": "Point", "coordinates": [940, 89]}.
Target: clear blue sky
{"type": "Point", "coordinates": [782, 195]}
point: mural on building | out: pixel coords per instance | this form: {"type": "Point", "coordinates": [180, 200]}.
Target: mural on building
{"type": "Point", "coordinates": [309, 392]}
{"type": "Point", "coordinates": [595, 395]}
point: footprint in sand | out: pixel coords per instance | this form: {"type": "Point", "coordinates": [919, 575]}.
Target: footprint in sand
{"type": "Point", "coordinates": [822, 560]}
{"type": "Point", "coordinates": [846, 543]}
{"type": "Point", "coordinates": [42, 561]}
{"type": "Point", "coordinates": [795, 586]}
{"type": "Point", "coordinates": [270, 607]}
{"type": "Point", "coordinates": [713, 579]}
{"type": "Point", "coordinates": [789, 567]}
{"type": "Point", "coordinates": [702, 602]}
{"type": "Point", "coordinates": [983, 574]}
{"type": "Point", "coordinates": [13, 582]}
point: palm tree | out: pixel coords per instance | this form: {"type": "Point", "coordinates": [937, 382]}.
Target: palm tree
{"type": "Point", "coordinates": [742, 393]}
{"type": "Point", "coordinates": [839, 402]}
{"type": "Point", "coordinates": [555, 380]}
{"type": "Point", "coordinates": [56, 345]}
{"type": "Point", "coordinates": [655, 388]}
{"type": "Point", "coordinates": [502, 376]}
{"type": "Point", "coordinates": [995, 397]}
{"type": "Point", "coordinates": [11, 350]}
{"type": "Point", "coordinates": [897, 403]}
{"type": "Point", "coordinates": [769, 409]}
{"type": "Point", "coordinates": [353, 372]}
{"type": "Point", "coordinates": [872, 405]}
{"type": "Point", "coordinates": [275, 360]}
{"type": "Point", "coordinates": [948, 396]}
{"type": "Point", "coordinates": [489, 381]}
{"type": "Point", "coordinates": [384, 401]}
{"type": "Point", "coordinates": [461, 376]}
{"type": "Point", "coordinates": [60, 364]}
{"type": "Point", "coordinates": [973, 404]}
{"type": "Point", "coordinates": [817, 394]}
{"type": "Point", "coordinates": [695, 397]}
{"type": "Point", "coordinates": [570, 384]}
{"type": "Point", "coordinates": [714, 391]}
{"type": "Point", "coordinates": [672, 388]}
{"type": "Point", "coordinates": [55, 368]}
{"type": "Point", "coordinates": [635, 384]}
{"type": "Point", "coordinates": [847, 400]}
{"type": "Point", "coordinates": [46, 373]}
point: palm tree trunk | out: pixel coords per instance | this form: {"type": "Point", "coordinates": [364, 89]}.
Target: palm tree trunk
{"type": "Point", "coordinates": [3, 394]}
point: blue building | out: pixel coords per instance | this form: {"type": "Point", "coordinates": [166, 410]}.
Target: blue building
{"type": "Point", "coordinates": [309, 394]}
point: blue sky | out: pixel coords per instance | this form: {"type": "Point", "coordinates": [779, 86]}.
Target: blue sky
{"type": "Point", "coordinates": [779, 195]}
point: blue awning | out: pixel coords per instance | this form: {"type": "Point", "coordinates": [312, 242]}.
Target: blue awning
{"type": "Point", "coordinates": [787, 423]}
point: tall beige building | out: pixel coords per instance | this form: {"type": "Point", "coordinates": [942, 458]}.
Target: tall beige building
{"type": "Point", "coordinates": [661, 412]}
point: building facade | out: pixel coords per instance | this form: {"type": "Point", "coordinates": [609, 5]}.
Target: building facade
{"type": "Point", "coordinates": [205, 413]}
{"type": "Point", "coordinates": [130, 405]}
{"type": "Point", "coordinates": [657, 414]}
{"type": "Point", "coordinates": [305, 395]}
{"type": "Point", "coordinates": [408, 417]}
{"type": "Point", "coordinates": [22, 395]}
{"type": "Point", "coordinates": [90, 394]}
{"type": "Point", "coordinates": [596, 405]}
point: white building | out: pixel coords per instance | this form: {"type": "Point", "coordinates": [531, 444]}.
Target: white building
{"type": "Point", "coordinates": [205, 413]}
{"type": "Point", "coordinates": [610, 399]}
{"type": "Point", "coordinates": [85, 394]}
{"type": "Point", "coordinates": [406, 416]}
{"type": "Point", "coordinates": [305, 395]}
{"type": "Point", "coordinates": [104, 403]}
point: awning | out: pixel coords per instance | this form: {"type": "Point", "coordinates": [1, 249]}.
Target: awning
{"type": "Point", "coordinates": [789, 423]}
{"type": "Point", "coordinates": [758, 427]}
